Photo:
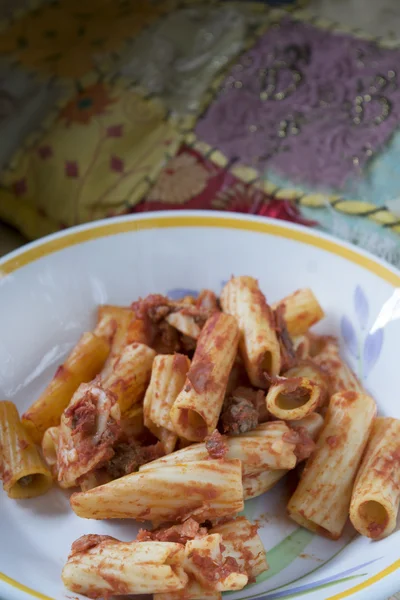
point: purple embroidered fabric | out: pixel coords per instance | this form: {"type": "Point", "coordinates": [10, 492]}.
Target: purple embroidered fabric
{"type": "Point", "coordinates": [307, 103]}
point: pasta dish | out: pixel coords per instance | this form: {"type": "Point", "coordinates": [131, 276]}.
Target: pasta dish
{"type": "Point", "coordinates": [174, 413]}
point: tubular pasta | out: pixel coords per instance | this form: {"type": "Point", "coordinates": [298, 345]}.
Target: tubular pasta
{"type": "Point", "coordinates": [23, 473]}
{"type": "Point", "coordinates": [259, 345]}
{"type": "Point", "coordinates": [243, 543]}
{"type": "Point", "coordinates": [301, 346]}
{"type": "Point", "coordinates": [193, 591]}
{"type": "Point", "coordinates": [184, 323]}
{"type": "Point", "coordinates": [322, 499]}
{"type": "Point", "coordinates": [100, 566]}
{"type": "Point", "coordinates": [120, 326]}
{"type": "Point", "coordinates": [132, 422]}
{"type": "Point", "coordinates": [341, 377]}
{"type": "Point", "coordinates": [256, 484]}
{"type": "Point", "coordinates": [112, 324]}
{"type": "Point", "coordinates": [376, 494]}
{"type": "Point", "coordinates": [313, 372]}
{"type": "Point", "coordinates": [259, 483]}
{"type": "Point", "coordinates": [93, 479]}
{"type": "Point", "coordinates": [312, 424]}
{"type": "Point", "coordinates": [203, 489]}
{"type": "Point", "coordinates": [301, 311]}
{"type": "Point", "coordinates": [196, 410]}
{"type": "Point", "coordinates": [129, 374]}
{"type": "Point", "coordinates": [294, 398]}
{"type": "Point", "coordinates": [238, 539]}
{"type": "Point", "coordinates": [269, 446]}
{"type": "Point", "coordinates": [167, 380]}
{"type": "Point", "coordinates": [83, 364]}
{"type": "Point", "coordinates": [189, 314]}
{"type": "Point", "coordinates": [204, 560]}
{"type": "Point", "coordinates": [167, 438]}
{"type": "Point", "coordinates": [88, 429]}
{"type": "Point", "coordinates": [50, 443]}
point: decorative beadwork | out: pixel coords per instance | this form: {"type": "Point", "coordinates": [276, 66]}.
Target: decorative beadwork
{"type": "Point", "coordinates": [311, 105]}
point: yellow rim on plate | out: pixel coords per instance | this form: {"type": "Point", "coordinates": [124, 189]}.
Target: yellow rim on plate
{"type": "Point", "coordinates": [59, 242]}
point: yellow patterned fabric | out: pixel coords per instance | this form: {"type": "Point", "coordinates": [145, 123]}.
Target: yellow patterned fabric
{"type": "Point", "coordinates": [98, 159]}
{"type": "Point", "coordinates": [70, 38]}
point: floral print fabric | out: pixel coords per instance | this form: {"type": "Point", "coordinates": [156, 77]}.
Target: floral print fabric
{"type": "Point", "coordinates": [191, 181]}
{"type": "Point", "coordinates": [98, 159]}
{"type": "Point", "coordinates": [24, 103]}
{"type": "Point", "coordinates": [69, 38]}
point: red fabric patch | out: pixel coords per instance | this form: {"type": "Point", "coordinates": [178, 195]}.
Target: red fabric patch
{"type": "Point", "coordinates": [191, 181]}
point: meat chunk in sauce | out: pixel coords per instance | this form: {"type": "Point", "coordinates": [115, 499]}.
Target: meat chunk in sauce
{"type": "Point", "coordinates": [216, 445]}
{"type": "Point", "coordinates": [305, 446]}
{"type": "Point", "coordinates": [167, 339]}
{"type": "Point", "coordinates": [83, 416]}
{"type": "Point", "coordinates": [163, 337]}
{"type": "Point", "coordinates": [128, 457]}
{"type": "Point", "coordinates": [178, 534]}
{"type": "Point", "coordinates": [239, 412]}
{"type": "Point", "coordinates": [155, 307]}
{"type": "Point", "coordinates": [86, 542]}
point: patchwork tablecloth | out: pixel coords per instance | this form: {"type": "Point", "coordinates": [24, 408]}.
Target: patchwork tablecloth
{"type": "Point", "coordinates": [133, 105]}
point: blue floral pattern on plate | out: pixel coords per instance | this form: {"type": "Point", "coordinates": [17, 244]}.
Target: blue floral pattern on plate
{"type": "Point", "coordinates": [363, 345]}
{"type": "Point", "coordinates": [179, 293]}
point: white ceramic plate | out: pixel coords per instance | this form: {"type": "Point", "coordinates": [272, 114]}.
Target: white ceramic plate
{"type": "Point", "coordinates": [48, 295]}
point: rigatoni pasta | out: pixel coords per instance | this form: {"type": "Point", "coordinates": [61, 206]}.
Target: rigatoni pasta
{"type": "Point", "coordinates": [132, 422]}
{"type": "Point", "coordinates": [259, 393]}
{"type": "Point", "coordinates": [259, 344]}
{"type": "Point", "coordinates": [121, 326]}
{"type": "Point", "coordinates": [322, 499]}
{"type": "Point", "coordinates": [112, 324]}
{"type": "Point", "coordinates": [88, 429]}
{"type": "Point", "coordinates": [22, 471]}
{"type": "Point", "coordinates": [269, 446]}
{"type": "Point", "coordinates": [312, 424]}
{"type": "Point", "coordinates": [376, 494]}
{"type": "Point", "coordinates": [50, 444]}
{"type": "Point", "coordinates": [301, 346]}
{"type": "Point", "coordinates": [101, 566]}
{"type": "Point", "coordinates": [83, 364]}
{"type": "Point", "coordinates": [309, 369]}
{"type": "Point", "coordinates": [258, 483]}
{"type": "Point", "coordinates": [301, 310]}
{"type": "Point", "coordinates": [205, 560]}
{"type": "Point", "coordinates": [129, 374]}
{"type": "Point", "coordinates": [184, 323]}
{"type": "Point", "coordinates": [193, 591]}
{"type": "Point", "coordinates": [242, 543]}
{"type": "Point", "coordinates": [341, 377]}
{"type": "Point", "coordinates": [196, 410]}
{"type": "Point", "coordinates": [167, 380]}
{"type": "Point", "coordinates": [293, 398]}
{"type": "Point", "coordinates": [308, 430]}
{"type": "Point", "coordinates": [206, 489]}
{"type": "Point", "coordinates": [202, 563]}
